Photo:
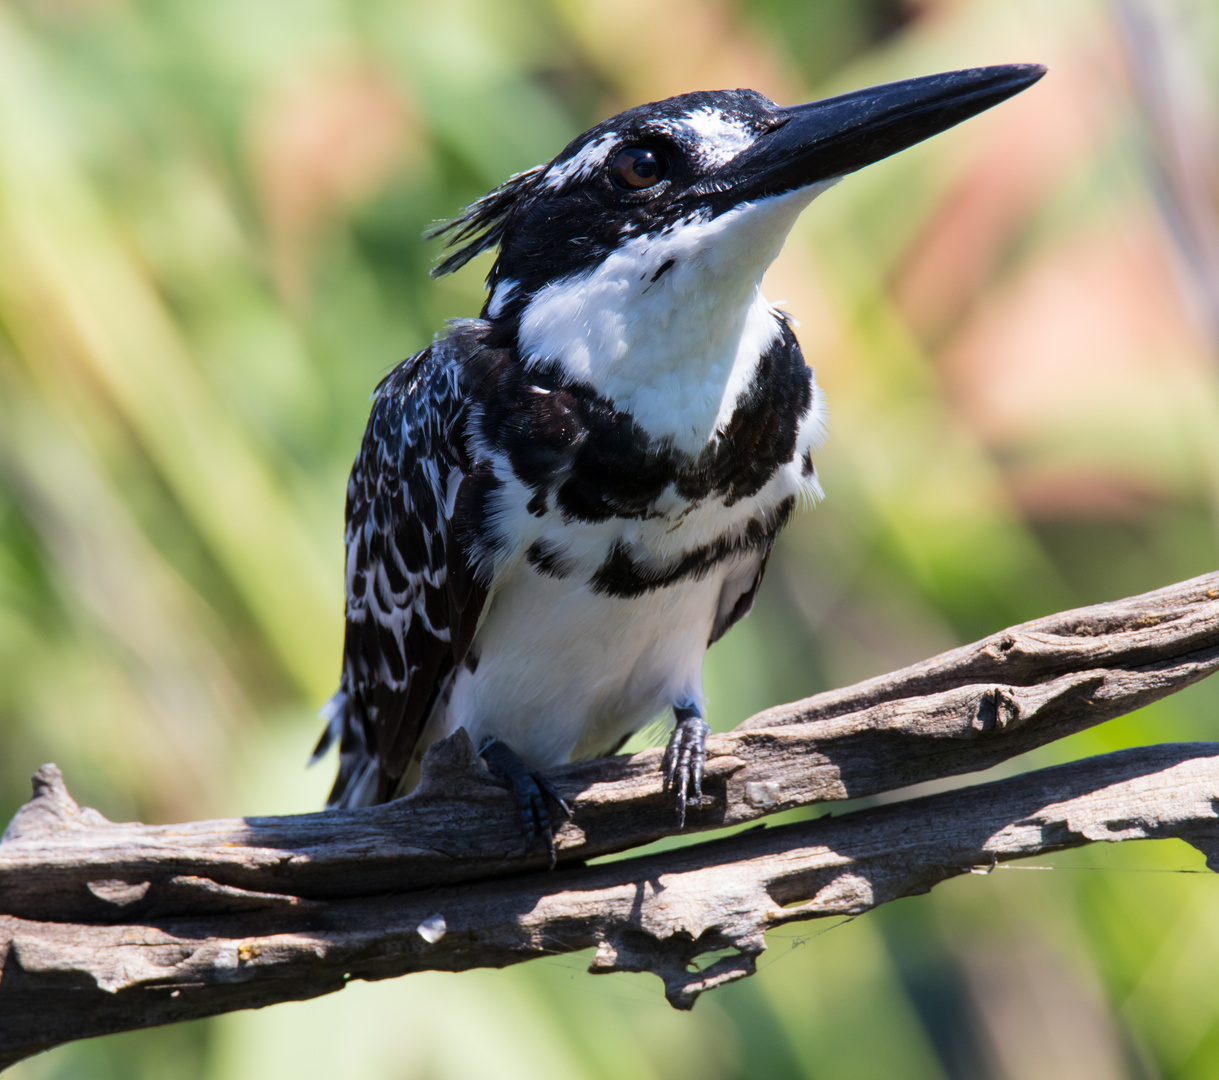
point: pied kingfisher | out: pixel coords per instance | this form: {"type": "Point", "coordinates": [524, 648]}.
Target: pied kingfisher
{"type": "Point", "coordinates": [559, 505]}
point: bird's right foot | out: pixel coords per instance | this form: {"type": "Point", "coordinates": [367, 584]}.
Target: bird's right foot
{"type": "Point", "coordinates": [532, 790]}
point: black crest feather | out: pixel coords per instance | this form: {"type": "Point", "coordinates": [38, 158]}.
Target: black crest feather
{"type": "Point", "coordinates": [481, 224]}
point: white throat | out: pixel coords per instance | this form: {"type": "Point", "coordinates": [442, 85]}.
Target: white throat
{"type": "Point", "coordinates": [671, 326]}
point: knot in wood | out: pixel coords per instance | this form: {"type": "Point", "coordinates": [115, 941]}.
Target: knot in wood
{"type": "Point", "coordinates": [997, 710]}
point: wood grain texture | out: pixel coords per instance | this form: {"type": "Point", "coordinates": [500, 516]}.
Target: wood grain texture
{"type": "Point", "coordinates": [107, 927]}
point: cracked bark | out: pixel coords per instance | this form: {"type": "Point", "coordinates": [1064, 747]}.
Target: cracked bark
{"type": "Point", "coordinates": [107, 927]}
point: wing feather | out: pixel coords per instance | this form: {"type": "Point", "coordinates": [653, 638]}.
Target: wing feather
{"type": "Point", "coordinates": [413, 598]}
{"type": "Point", "coordinates": [737, 596]}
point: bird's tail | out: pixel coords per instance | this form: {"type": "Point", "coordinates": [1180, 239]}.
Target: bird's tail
{"type": "Point", "coordinates": [358, 781]}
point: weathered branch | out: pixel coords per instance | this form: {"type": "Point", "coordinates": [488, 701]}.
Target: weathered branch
{"type": "Point", "coordinates": [106, 927]}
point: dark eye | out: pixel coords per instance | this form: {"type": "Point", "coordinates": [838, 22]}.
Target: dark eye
{"type": "Point", "coordinates": [637, 167]}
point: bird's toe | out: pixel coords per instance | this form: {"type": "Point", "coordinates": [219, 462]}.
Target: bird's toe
{"type": "Point", "coordinates": [685, 760]}
{"type": "Point", "coordinates": [533, 791]}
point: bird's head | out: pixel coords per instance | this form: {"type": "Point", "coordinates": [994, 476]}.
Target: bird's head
{"type": "Point", "coordinates": [674, 167]}
{"type": "Point", "coordinates": [632, 262]}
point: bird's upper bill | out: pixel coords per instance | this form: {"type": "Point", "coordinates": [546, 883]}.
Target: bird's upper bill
{"type": "Point", "coordinates": [825, 139]}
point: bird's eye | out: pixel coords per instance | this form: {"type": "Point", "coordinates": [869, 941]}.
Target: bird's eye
{"type": "Point", "coordinates": [638, 167]}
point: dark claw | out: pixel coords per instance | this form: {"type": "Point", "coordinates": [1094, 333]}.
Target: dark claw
{"type": "Point", "coordinates": [531, 789]}
{"type": "Point", "coordinates": [685, 759]}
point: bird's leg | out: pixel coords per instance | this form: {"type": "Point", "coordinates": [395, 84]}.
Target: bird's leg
{"type": "Point", "coordinates": [531, 789]}
{"type": "Point", "coordinates": [685, 757]}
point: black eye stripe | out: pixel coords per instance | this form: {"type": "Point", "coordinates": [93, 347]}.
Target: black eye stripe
{"type": "Point", "coordinates": [635, 168]}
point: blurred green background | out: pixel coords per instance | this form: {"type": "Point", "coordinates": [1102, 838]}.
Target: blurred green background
{"type": "Point", "coordinates": [210, 219]}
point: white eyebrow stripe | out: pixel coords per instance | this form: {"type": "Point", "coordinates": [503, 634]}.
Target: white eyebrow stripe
{"type": "Point", "coordinates": [720, 138]}
{"type": "Point", "coordinates": [580, 166]}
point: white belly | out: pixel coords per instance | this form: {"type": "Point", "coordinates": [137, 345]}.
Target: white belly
{"type": "Point", "coordinates": [564, 673]}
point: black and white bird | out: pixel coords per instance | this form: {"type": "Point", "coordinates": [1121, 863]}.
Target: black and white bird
{"type": "Point", "coordinates": [559, 505]}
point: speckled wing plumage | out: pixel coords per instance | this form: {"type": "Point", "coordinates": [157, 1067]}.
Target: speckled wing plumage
{"type": "Point", "coordinates": [413, 601]}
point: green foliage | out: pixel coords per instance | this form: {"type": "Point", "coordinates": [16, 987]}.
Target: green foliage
{"type": "Point", "coordinates": [210, 221]}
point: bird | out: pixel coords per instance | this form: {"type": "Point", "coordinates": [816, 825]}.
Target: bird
{"type": "Point", "coordinates": [559, 505]}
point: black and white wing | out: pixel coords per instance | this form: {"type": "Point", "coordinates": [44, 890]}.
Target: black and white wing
{"type": "Point", "coordinates": [737, 595]}
{"type": "Point", "coordinates": [740, 588]}
{"type": "Point", "coordinates": [413, 601]}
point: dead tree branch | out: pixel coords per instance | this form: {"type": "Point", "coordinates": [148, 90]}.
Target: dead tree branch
{"type": "Point", "coordinates": [107, 927]}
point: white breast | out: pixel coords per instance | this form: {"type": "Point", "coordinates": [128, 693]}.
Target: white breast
{"type": "Point", "coordinates": [564, 673]}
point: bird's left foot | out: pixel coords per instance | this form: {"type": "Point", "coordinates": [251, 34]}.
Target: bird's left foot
{"type": "Point", "coordinates": [685, 758]}
{"type": "Point", "coordinates": [532, 790]}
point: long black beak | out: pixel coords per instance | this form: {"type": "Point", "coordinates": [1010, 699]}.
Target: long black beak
{"type": "Point", "coordinates": [835, 136]}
